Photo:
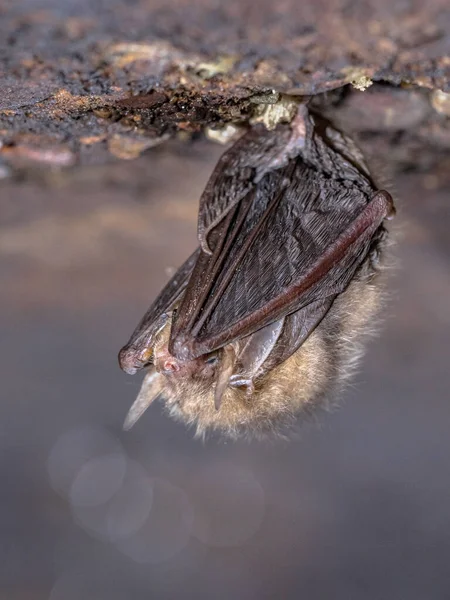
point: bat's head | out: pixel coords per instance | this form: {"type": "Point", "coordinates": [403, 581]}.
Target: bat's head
{"type": "Point", "coordinates": [133, 359]}
{"type": "Point", "coordinates": [175, 369]}
{"type": "Point", "coordinates": [142, 353]}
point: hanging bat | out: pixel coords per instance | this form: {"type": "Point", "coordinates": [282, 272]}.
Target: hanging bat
{"type": "Point", "coordinates": [264, 320]}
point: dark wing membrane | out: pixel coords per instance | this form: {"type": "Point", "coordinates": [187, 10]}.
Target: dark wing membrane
{"type": "Point", "coordinates": [286, 246]}
{"type": "Point", "coordinates": [271, 345]}
{"type": "Point", "coordinates": [296, 329]}
{"type": "Point", "coordinates": [235, 175]}
{"type": "Point", "coordinates": [136, 354]}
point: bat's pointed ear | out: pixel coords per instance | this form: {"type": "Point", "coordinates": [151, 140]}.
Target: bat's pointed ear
{"type": "Point", "coordinates": [152, 386]}
{"type": "Point", "coordinates": [227, 363]}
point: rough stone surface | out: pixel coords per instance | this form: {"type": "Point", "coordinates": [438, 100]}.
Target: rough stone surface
{"type": "Point", "coordinates": [84, 82]}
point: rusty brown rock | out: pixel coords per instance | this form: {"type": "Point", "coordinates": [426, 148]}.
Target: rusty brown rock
{"type": "Point", "coordinates": [93, 74]}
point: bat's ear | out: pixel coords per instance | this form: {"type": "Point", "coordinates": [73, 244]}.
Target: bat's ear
{"type": "Point", "coordinates": [152, 387]}
{"type": "Point", "coordinates": [224, 374]}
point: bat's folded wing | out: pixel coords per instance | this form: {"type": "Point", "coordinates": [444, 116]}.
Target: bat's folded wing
{"type": "Point", "coordinates": [294, 239]}
{"type": "Point", "coordinates": [235, 175]}
{"type": "Point", "coordinates": [136, 354]}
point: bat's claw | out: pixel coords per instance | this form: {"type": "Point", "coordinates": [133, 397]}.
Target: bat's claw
{"type": "Point", "coordinates": [387, 200]}
{"type": "Point", "coordinates": [240, 382]}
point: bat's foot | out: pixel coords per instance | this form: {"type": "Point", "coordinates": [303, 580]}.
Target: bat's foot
{"type": "Point", "coordinates": [240, 382]}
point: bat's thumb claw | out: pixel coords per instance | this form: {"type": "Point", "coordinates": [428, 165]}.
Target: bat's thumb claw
{"type": "Point", "coordinates": [388, 202]}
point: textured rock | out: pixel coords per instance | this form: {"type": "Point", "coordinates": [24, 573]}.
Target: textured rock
{"type": "Point", "coordinates": [83, 82]}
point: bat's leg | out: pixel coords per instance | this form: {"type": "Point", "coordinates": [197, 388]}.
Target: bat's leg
{"type": "Point", "coordinates": [296, 141]}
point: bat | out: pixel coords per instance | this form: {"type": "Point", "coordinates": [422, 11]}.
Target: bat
{"type": "Point", "coordinates": [264, 321]}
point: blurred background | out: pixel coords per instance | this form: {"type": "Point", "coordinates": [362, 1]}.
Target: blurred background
{"type": "Point", "coordinates": [356, 505]}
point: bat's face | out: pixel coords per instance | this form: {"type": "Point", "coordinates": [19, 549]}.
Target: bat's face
{"type": "Point", "coordinates": [176, 370]}
{"type": "Point", "coordinates": [263, 320]}
{"type": "Point", "coordinates": [155, 353]}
